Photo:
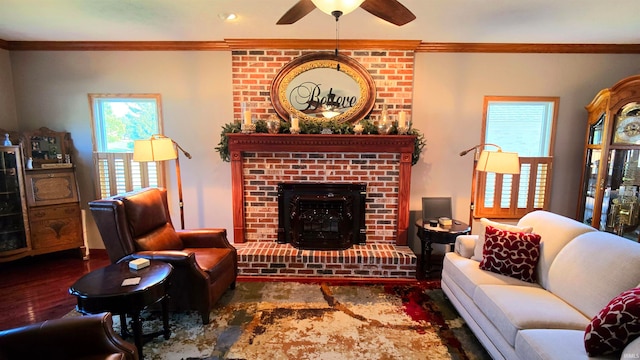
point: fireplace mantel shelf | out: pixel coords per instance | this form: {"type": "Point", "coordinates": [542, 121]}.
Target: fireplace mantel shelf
{"type": "Point", "coordinates": [322, 143]}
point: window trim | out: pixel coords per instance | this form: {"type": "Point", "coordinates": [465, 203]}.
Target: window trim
{"type": "Point", "coordinates": [513, 211]}
{"type": "Point", "coordinates": [122, 156]}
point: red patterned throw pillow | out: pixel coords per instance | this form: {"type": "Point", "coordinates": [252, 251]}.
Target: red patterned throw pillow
{"type": "Point", "coordinates": [615, 326]}
{"type": "Point", "coordinates": [510, 253]}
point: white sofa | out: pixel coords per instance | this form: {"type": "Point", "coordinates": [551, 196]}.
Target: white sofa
{"type": "Point", "coordinates": [579, 271]}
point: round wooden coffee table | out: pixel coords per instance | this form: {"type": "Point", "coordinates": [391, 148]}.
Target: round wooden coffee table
{"type": "Point", "coordinates": [103, 290]}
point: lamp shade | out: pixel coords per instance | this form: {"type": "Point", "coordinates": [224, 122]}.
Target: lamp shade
{"type": "Point", "coordinates": [154, 149]}
{"type": "Point", "coordinates": [499, 162]}
{"type": "Point", "coordinates": [329, 6]}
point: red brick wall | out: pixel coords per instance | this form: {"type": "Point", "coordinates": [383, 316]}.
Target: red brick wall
{"type": "Point", "coordinates": [253, 71]}
{"type": "Point", "coordinates": [264, 171]}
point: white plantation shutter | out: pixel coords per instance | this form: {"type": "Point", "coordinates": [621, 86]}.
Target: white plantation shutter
{"type": "Point", "coordinates": [118, 173]}
{"type": "Point", "coordinates": [512, 196]}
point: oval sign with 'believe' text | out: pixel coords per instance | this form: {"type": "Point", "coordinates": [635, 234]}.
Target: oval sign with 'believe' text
{"type": "Point", "coordinates": [319, 86]}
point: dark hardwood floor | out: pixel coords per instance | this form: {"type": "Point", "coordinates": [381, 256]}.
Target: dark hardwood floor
{"type": "Point", "coordinates": [36, 288]}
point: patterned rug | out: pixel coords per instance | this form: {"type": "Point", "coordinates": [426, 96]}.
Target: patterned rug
{"type": "Point", "coordinates": [290, 320]}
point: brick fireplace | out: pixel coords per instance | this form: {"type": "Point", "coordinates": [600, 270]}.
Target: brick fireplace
{"type": "Point", "coordinates": [260, 162]}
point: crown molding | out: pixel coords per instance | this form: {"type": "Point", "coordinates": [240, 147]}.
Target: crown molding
{"type": "Point", "coordinates": [530, 48]}
{"type": "Point", "coordinates": [318, 44]}
{"type": "Point", "coordinates": [321, 44]}
{"type": "Point", "coordinates": [118, 45]}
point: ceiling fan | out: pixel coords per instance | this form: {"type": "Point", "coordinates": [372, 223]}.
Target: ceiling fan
{"type": "Point", "coordinates": [388, 10]}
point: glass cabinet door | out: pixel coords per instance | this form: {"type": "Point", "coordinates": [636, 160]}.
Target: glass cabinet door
{"type": "Point", "coordinates": [590, 185]}
{"type": "Point", "coordinates": [620, 206]}
{"type": "Point", "coordinates": [13, 236]}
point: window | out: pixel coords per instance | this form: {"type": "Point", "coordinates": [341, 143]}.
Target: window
{"type": "Point", "coordinates": [117, 121]}
{"type": "Point", "coordinates": [525, 125]}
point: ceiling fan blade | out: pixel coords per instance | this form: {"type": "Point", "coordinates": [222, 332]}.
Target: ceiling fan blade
{"type": "Point", "coordinates": [389, 10]}
{"type": "Point", "coordinates": [297, 12]}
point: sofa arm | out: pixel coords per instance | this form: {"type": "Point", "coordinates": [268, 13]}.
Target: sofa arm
{"type": "Point", "coordinates": [90, 336]}
{"type": "Point", "coordinates": [203, 238]}
{"type": "Point", "coordinates": [465, 245]}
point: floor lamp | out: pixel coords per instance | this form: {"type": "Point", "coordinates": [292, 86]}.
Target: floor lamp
{"type": "Point", "coordinates": [498, 162]}
{"type": "Point", "coordinates": [161, 148]}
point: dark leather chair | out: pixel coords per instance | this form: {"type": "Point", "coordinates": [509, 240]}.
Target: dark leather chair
{"type": "Point", "coordinates": [137, 224]}
{"type": "Point", "coordinates": [82, 337]}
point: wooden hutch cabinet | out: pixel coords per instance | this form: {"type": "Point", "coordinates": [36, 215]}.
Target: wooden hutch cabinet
{"type": "Point", "coordinates": [55, 219]}
{"type": "Point", "coordinates": [51, 207]}
{"type": "Point", "coordinates": [609, 197]}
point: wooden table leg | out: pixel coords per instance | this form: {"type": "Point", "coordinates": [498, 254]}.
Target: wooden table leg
{"type": "Point", "coordinates": [165, 319]}
{"type": "Point", "coordinates": [137, 332]}
{"type": "Point", "coordinates": [123, 326]}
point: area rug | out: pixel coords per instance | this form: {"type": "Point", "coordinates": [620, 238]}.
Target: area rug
{"type": "Point", "coordinates": [290, 320]}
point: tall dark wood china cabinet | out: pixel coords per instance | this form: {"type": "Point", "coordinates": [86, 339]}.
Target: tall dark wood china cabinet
{"type": "Point", "coordinates": [610, 184]}
{"type": "Point", "coordinates": [14, 226]}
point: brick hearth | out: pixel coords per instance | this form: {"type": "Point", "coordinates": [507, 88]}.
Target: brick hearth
{"type": "Point", "coordinates": [360, 261]}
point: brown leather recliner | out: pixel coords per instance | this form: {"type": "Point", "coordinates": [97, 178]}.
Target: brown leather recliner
{"type": "Point", "coordinates": [137, 224]}
{"type": "Point", "coordinates": [82, 337]}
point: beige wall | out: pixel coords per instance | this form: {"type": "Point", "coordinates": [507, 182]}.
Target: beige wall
{"type": "Point", "coordinates": [8, 118]}
{"type": "Point", "coordinates": [448, 99]}
{"type": "Point", "coordinates": [51, 90]}
{"type": "Point", "coordinates": [52, 87]}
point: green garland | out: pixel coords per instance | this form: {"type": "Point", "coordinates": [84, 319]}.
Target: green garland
{"type": "Point", "coordinates": [316, 127]}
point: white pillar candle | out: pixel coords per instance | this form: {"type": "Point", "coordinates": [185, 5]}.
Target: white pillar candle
{"type": "Point", "coordinates": [247, 117]}
{"type": "Point", "coordinates": [294, 122]}
{"type": "Point", "coordinates": [402, 119]}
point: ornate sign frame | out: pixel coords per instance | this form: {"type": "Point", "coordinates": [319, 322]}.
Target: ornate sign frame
{"type": "Point", "coordinates": [363, 103]}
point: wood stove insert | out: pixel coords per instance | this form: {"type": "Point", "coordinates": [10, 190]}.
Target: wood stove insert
{"type": "Point", "coordinates": [321, 216]}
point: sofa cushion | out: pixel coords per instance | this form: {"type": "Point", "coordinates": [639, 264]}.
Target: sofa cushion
{"type": "Point", "coordinates": [467, 274]}
{"type": "Point", "coordinates": [556, 231]}
{"type": "Point", "coordinates": [512, 308]}
{"type": "Point", "coordinates": [477, 252]}
{"type": "Point", "coordinates": [546, 344]}
{"type": "Point", "coordinates": [510, 253]}
{"type": "Point", "coordinates": [615, 326]}
{"type": "Point", "coordinates": [593, 269]}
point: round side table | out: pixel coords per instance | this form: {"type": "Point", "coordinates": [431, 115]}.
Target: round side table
{"type": "Point", "coordinates": [103, 290]}
{"type": "Point", "coordinates": [438, 234]}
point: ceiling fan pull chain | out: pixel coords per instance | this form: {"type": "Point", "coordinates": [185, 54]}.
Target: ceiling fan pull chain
{"type": "Point", "coordinates": [337, 16]}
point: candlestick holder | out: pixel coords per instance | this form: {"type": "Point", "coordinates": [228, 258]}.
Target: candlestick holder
{"type": "Point", "coordinates": [294, 130]}
{"type": "Point", "coordinates": [403, 130]}
{"type": "Point", "coordinates": [248, 128]}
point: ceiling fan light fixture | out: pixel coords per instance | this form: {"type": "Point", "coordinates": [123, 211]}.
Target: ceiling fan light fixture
{"type": "Point", "coordinates": [330, 6]}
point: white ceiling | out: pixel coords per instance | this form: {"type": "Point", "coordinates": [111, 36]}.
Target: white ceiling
{"type": "Point", "coordinates": [476, 21]}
